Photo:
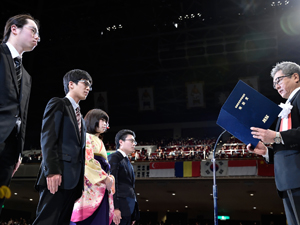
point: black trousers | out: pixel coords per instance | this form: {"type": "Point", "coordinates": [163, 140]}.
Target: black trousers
{"type": "Point", "coordinates": [56, 209]}
{"type": "Point", "coordinates": [9, 156]}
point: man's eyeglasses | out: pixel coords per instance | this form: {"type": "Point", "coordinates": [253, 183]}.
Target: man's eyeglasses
{"type": "Point", "coordinates": [279, 79]}
{"type": "Point", "coordinates": [87, 83]}
{"type": "Point", "coordinates": [34, 32]}
{"type": "Point", "coordinates": [132, 141]}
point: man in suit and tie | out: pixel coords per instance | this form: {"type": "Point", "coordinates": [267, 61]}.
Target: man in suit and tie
{"type": "Point", "coordinates": [60, 179]}
{"type": "Point", "coordinates": [125, 203]}
{"type": "Point", "coordinates": [20, 35]}
{"type": "Point", "coordinates": [285, 153]}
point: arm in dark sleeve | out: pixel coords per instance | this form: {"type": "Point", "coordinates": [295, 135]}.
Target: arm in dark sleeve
{"type": "Point", "coordinates": [271, 156]}
{"type": "Point", "coordinates": [51, 126]}
{"type": "Point", "coordinates": [114, 162]}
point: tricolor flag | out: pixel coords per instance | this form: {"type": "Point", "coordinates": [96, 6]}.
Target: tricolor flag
{"type": "Point", "coordinates": [207, 168]}
{"type": "Point", "coordinates": [162, 169]}
{"type": "Point", "coordinates": [242, 168]}
{"type": "Point", "coordinates": [187, 169]}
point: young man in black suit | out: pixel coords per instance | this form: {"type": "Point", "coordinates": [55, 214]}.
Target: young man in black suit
{"type": "Point", "coordinates": [125, 203]}
{"type": "Point", "coordinates": [60, 179]}
{"type": "Point", "coordinates": [20, 35]}
{"type": "Point", "coordinates": [285, 153]}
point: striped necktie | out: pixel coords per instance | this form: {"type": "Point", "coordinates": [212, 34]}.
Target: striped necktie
{"type": "Point", "coordinates": [18, 63]}
{"type": "Point", "coordinates": [78, 117]}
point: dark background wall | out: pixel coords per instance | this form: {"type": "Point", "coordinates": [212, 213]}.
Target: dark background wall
{"type": "Point", "coordinates": [126, 45]}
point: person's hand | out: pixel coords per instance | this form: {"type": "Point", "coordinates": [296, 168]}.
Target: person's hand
{"type": "Point", "coordinates": [17, 166]}
{"type": "Point", "coordinates": [117, 216]}
{"type": "Point", "coordinates": [53, 181]}
{"type": "Point", "coordinates": [260, 149]}
{"type": "Point", "coordinates": [109, 182]}
{"type": "Point", "coordinates": [133, 222]}
{"type": "Point", "coordinates": [266, 136]}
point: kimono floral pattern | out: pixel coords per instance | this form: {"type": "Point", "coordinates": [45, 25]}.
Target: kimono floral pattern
{"type": "Point", "coordinates": [94, 185]}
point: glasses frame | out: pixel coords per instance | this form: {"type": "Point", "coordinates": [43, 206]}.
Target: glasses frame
{"type": "Point", "coordinates": [34, 32]}
{"type": "Point", "coordinates": [279, 79]}
{"type": "Point", "coordinates": [131, 140]}
{"type": "Point", "coordinates": [87, 83]}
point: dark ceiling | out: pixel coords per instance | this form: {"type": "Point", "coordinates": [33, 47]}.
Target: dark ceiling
{"type": "Point", "coordinates": [163, 44]}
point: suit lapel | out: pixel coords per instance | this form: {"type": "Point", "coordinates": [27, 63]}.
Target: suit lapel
{"type": "Point", "coordinates": [278, 124]}
{"type": "Point", "coordinates": [129, 167]}
{"type": "Point", "coordinates": [11, 66]}
{"type": "Point", "coordinates": [22, 82]}
{"type": "Point", "coordinates": [73, 118]}
{"type": "Point", "coordinates": [83, 132]}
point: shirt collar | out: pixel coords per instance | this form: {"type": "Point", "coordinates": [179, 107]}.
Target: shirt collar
{"type": "Point", "coordinates": [123, 153]}
{"type": "Point", "coordinates": [13, 50]}
{"type": "Point", "coordinates": [292, 94]}
{"type": "Point", "coordinates": [74, 104]}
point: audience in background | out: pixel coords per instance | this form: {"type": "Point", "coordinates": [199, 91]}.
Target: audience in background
{"type": "Point", "coordinates": [20, 221]}
{"type": "Point", "coordinates": [180, 149]}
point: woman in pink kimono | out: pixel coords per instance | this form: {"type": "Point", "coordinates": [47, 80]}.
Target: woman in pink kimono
{"type": "Point", "coordinates": [96, 203]}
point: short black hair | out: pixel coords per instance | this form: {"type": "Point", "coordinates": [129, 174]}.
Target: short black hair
{"type": "Point", "coordinates": [18, 20]}
{"type": "Point", "coordinates": [122, 135]}
{"type": "Point", "coordinates": [92, 120]}
{"type": "Point", "coordinates": [74, 76]}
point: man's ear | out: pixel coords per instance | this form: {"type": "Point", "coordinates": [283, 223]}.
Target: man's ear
{"type": "Point", "coordinates": [71, 85]}
{"type": "Point", "coordinates": [13, 29]}
{"type": "Point", "coordinates": [121, 142]}
{"type": "Point", "coordinates": [297, 78]}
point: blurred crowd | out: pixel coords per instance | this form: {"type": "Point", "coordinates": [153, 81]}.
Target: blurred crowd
{"type": "Point", "coordinates": [11, 221]}
{"type": "Point", "coordinates": [170, 149]}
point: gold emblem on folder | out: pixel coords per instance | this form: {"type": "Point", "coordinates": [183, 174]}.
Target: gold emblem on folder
{"type": "Point", "coordinates": [241, 102]}
{"type": "Point", "coordinates": [265, 119]}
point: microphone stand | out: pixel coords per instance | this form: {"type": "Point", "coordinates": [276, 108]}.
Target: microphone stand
{"type": "Point", "coordinates": [215, 191]}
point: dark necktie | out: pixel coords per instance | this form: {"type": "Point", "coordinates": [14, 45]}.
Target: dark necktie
{"type": "Point", "coordinates": [78, 117]}
{"type": "Point", "coordinates": [18, 63]}
{"type": "Point", "coordinates": [129, 166]}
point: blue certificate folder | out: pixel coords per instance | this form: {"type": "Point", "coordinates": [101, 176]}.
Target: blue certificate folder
{"type": "Point", "coordinates": [245, 108]}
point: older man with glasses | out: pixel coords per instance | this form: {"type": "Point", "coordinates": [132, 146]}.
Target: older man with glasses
{"type": "Point", "coordinates": [285, 153]}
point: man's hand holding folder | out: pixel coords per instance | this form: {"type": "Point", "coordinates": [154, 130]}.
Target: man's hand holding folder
{"type": "Point", "coordinates": [260, 149]}
{"type": "Point", "coordinates": [266, 136]}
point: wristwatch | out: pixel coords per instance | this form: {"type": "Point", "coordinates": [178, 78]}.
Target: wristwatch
{"type": "Point", "coordinates": [277, 139]}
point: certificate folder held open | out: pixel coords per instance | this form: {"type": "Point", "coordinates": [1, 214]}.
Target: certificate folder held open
{"type": "Point", "coordinates": [245, 108]}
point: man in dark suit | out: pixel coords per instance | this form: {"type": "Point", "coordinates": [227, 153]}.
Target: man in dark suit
{"type": "Point", "coordinates": [285, 153]}
{"type": "Point", "coordinates": [60, 179]}
{"type": "Point", "coordinates": [125, 203]}
{"type": "Point", "coordinates": [20, 35]}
